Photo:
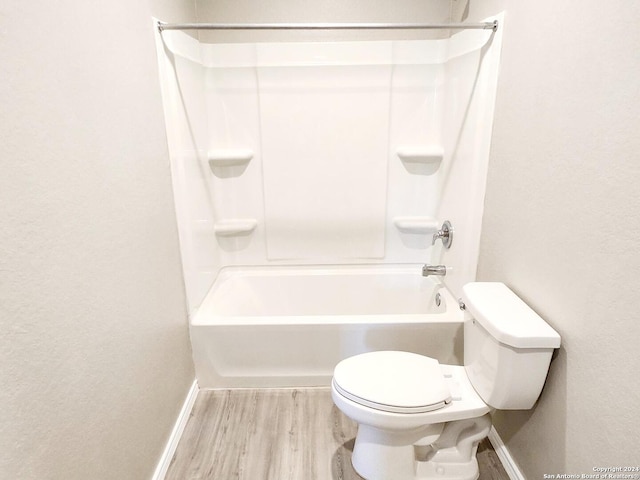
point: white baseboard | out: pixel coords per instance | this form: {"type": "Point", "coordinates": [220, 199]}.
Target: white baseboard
{"type": "Point", "coordinates": [176, 433]}
{"type": "Point", "coordinates": [504, 455]}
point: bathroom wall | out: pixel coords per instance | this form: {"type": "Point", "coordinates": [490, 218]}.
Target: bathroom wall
{"type": "Point", "coordinates": [94, 354]}
{"type": "Point", "coordinates": [561, 224]}
{"type": "Point", "coordinates": [174, 10]}
{"type": "Point", "coordinates": [334, 11]}
{"type": "Point", "coordinates": [327, 152]}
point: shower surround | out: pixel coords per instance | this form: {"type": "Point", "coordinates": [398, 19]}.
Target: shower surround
{"type": "Point", "coordinates": [306, 161]}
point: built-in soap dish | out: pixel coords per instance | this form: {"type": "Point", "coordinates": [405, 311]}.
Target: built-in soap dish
{"type": "Point", "coordinates": [420, 154]}
{"type": "Point", "coordinates": [423, 225]}
{"type": "Point", "coordinates": [235, 226]}
{"type": "Point", "coordinates": [229, 157]}
{"type": "Point", "coordinates": [420, 160]}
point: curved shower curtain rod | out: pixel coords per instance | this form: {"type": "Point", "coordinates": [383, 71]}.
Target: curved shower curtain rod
{"type": "Point", "coordinates": [327, 26]}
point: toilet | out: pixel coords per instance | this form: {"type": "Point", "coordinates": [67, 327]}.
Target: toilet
{"type": "Point", "coordinates": [418, 419]}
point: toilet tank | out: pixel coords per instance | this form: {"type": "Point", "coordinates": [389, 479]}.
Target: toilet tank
{"type": "Point", "coordinates": [507, 346]}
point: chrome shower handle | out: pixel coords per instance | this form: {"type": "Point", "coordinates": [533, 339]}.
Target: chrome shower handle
{"type": "Point", "coordinates": [445, 234]}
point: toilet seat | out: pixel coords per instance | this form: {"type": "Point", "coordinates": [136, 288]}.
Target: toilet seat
{"type": "Point", "coordinates": [393, 381]}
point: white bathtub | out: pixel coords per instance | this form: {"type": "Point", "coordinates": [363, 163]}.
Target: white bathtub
{"type": "Point", "coordinates": [290, 326]}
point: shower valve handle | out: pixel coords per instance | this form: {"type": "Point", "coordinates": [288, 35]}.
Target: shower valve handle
{"type": "Point", "coordinates": [445, 234]}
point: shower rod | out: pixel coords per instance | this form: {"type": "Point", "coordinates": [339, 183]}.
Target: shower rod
{"type": "Point", "coordinates": [327, 26]}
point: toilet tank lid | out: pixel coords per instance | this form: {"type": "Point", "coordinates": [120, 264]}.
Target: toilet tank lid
{"type": "Point", "coordinates": [506, 317]}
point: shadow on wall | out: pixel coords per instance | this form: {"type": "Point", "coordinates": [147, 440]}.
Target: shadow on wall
{"type": "Point", "coordinates": [549, 414]}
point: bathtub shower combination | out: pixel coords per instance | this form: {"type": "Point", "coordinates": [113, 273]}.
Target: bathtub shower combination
{"type": "Point", "coordinates": [290, 326]}
{"type": "Point", "coordinates": [309, 180]}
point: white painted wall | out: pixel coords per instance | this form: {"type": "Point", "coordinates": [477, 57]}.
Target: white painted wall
{"type": "Point", "coordinates": [561, 223]}
{"type": "Point", "coordinates": [338, 11]}
{"type": "Point", "coordinates": [94, 354]}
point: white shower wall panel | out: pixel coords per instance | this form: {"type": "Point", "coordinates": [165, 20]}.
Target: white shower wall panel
{"type": "Point", "coordinates": [416, 122]}
{"type": "Point", "coordinates": [232, 101]}
{"type": "Point", "coordinates": [232, 104]}
{"type": "Point", "coordinates": [324, 121]}
{"type": "Point", "coordinates": [183, 90]}
{"type": "Point", "coordinates": [471, 70]}
{"type": "Point", "coordinates": [324, 146]}
{"type": "Point", "coordinates": [338, 153]}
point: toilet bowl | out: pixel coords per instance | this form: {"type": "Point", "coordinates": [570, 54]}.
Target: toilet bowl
{"type": "Point", "coordinates": [418, 419]}
{"type": "Point", "coordinates": [411, 410]}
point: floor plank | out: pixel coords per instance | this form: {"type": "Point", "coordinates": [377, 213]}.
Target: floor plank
{"type": "Point", "coordinates": [491, 467]}
{"type": "Point", "coordinates": [276, 434]}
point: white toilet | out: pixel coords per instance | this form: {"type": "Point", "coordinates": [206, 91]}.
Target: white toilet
{"type": "Point", "coordinates": [419, 419]}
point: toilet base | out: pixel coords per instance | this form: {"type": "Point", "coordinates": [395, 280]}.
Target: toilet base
{"type": "Point", "coordinates": [449, 452]}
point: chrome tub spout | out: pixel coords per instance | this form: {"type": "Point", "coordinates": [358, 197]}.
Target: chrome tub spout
{"type": "Point", "coordinates": [439, 270]}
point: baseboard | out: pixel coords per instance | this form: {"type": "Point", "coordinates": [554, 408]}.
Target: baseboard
{"type": "Point", "coordinates": [176, 433]}
{"type": "Point", "coordinates": [504, 455]}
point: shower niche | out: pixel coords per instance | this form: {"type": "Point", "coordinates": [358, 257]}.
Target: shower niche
{"type": "Point", "coordinates": [327, 153]}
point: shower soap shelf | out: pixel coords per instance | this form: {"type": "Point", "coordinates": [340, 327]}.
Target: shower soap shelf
{"type": "Point", "coordinates": [235, 226]}
{"type": "Point", "coordinates": [230, 157]}
{"type": "Point", "coordinates": [423, 225]}
{"type": "Point", "coordinates": [420, 154]}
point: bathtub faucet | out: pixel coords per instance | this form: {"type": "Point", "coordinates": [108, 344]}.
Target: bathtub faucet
{"type": "Point", "coordinates": [440, 270]}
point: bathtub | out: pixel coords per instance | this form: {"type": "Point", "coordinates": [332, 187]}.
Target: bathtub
{"type": "Point", "coordinates": [289, 326]}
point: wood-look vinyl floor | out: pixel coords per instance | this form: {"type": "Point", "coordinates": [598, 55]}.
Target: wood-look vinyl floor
{"type": "Point", "coordinates": [276, 434]}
